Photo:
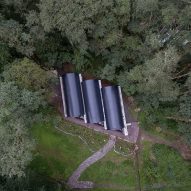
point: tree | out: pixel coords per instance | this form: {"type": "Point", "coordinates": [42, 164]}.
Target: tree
{"type": "Point", "coordinates": [26, 74]}
{"type": "Point", "coordinates": [13, 34]}
{"type": "Point", "coordinates": [185, 106]}
{"type": "Point", "coordinates": [188, 83]}
{"type": "Point", "coordinates": [184, 117]}
{"type": "Point", "coordinates": [90, 33]}
{"type": "Point", "coordinates": [19, 109]}
{"type": "Point", "coordinates": [154, 77]}
{"type": "Point", "coordinates": [185, 130]}
{"type": "Point", "coordinates": [79, 20]}
{"type": "Point", "coordinates": [15, 148]}
{"type": "Point", "coordinates": [137, 44]}
{"type": "Point", "coordinates": [5, 56]}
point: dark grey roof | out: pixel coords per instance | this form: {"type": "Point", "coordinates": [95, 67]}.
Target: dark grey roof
{"type": "Point", "coordinates": [73, 95]}
{"type": "Point", "coordinates": [112, 107]}
{"type": "Point", "coordinates": [92, 101]}
{"type": "Point", "coordinates": [98, 104]}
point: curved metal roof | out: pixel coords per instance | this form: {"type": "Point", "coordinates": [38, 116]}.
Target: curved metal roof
{"type": "Point", "coordinates": [92, 101]}
{"type": "Point", "coordinates": [112, 107]}
{"type": "Point", "coordinates": [95, 103]}
{"type": "Point", "coordinates": [73, 95]}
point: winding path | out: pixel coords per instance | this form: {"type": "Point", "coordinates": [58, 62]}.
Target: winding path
{"type": "Point", "coordinates": [73, 180]}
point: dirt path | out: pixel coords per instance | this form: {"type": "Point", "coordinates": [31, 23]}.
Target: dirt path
{"type": "Point", "coordinates": [154, 139]}
{"type": "Point", "coordinates": [73, 180]}
{"type": "Point", "coordinates": [179, 145]}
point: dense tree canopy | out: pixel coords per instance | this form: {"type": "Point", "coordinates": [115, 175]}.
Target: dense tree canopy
{"type": "Point", "coordinates": [26, 74]}
{"type": "Point", "coordinates": [143, 45]}
{"type": "Point", "coordinates": [138, 44]}
{"type": "Point", "coordinates": [18, 110]}
{"type": "Point", "coordinates": [5, 56]}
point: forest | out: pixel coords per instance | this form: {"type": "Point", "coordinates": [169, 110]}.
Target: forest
{"type": "Point", "coordinates": [142, 45]}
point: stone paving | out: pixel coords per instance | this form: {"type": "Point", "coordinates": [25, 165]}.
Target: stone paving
{"type": "Point", "coordinates": [73, 180]}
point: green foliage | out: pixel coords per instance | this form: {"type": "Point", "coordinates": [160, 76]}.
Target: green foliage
{"type": "Point", "coordinates": [32, 181]}
{"type": "Point", "coordinates": [153, 41]}
{"type": "Point", "coordinates": [113, 169]}
{"type": "Point", "coordinates": [26, 74]}
{"type": "Point", "coordinates": [120, 33]}
{"type": "Point", "coordinates": [145, 6]}
{"type": "Point", "coordinates": [154, 77]}
{"type": "Point", "coordinates": [188, 83]}
{"type": "Point", "coordinates": [185, 130]}
{"type": "Point", "coordinates": [185, 113]}
{"type": "Point", "coordinates": [170, 14]}
{"type": "Point", "coordinates": [163, 165]}
{"type": "Point", "coordinates": [5, 56]}
{"type": "Point", "coordinates": [12, 33]}
{"type": "Point", "coordinates": [94, 140]}
{"type": "Point", "coordinates": [17, 103]}
{"type": "Point", "coordinates": [18, 110]}
{"type": "Point", "coordinates": [185, 106]}
{"type": "Point", "coordinates": [137, 44]}
{"type": "Point", "coordinates": [15, 148]}
{"type": "Point", "coordinates": [74, 18]}
{"type": "Point", "coordinates": [59, 153]}
{"type": "Point", "coordinates": [124, 147]}
{"type": "Point", "coordinates": [151, 117]}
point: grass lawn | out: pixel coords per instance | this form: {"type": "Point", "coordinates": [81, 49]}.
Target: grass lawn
{"type": "Point", "coordinates": [57, 155]}
{"type": "Point", "coordinates": [94, 139]}
{"type": "Point", "coordinates": [113, 170]}
{"type": "Point", "coordinates": [163, 166]}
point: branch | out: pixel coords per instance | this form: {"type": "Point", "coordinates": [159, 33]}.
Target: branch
{"type": "Point", "coordinates": [178, 77]}
{"type": "Point", "coordinates": [186, 67]}
{"type": "Point", "coordinates": [179, 119]}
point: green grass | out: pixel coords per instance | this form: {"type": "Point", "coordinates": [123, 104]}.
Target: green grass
{"type": "Point", "coordinates": [114, 170]}
{"type": "Point", "coordinates": [57, 155]}
{"type": "Point", "coordinates": [94, 139]}
{"type": "Point", "coordinates": [161, 165]}
{"type": "Point", "coordinates": [124, 147]}
{"type": "Point", "coordinates": [157, 124]}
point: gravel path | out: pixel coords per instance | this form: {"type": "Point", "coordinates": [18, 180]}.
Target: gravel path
{"type": "Point", "coordinates": [73, 180]}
